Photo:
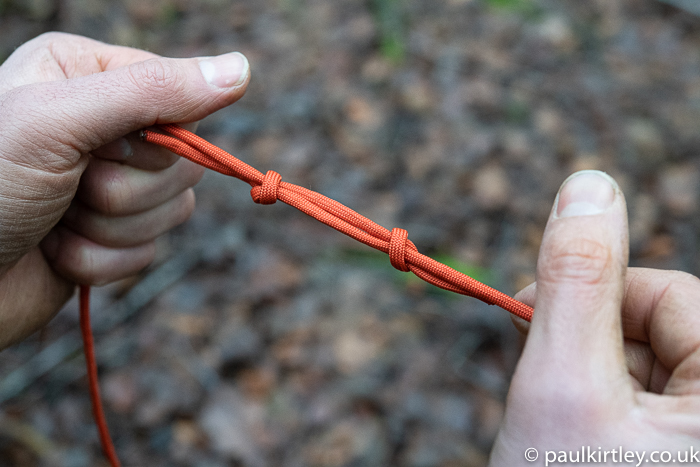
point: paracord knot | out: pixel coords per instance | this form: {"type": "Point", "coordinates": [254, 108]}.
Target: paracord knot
{"type": "Point", "coordinates": [267, 192]}
{"type": "Point", "coordinates": [397, 249]}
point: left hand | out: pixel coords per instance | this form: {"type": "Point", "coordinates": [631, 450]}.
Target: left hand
{"type": "Point", "coordinates": [70, 111]}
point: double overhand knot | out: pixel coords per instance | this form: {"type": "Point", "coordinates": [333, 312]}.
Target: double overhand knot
{"type": "Point", "coordinates": [268, 191]}
{"type": "Point", "coordinates": [398, 246]}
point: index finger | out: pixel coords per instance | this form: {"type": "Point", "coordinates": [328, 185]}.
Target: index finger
{"type": "Point", "coordinates": [132, 151]}
{"type": "Point", "coordinates": [661, 308]}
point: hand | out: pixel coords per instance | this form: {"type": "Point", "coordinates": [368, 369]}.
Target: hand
{"type": "Point", "coordinates": [612, 354]}
{"type": "Point", "coordinates": [70, 109]}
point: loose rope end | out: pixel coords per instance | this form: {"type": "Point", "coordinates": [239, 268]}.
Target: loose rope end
{"type": "Point", "coordinates": [91, 363]}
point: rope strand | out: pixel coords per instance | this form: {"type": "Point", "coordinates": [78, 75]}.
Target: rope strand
{"type": "Point", "coordinates": [90, 362]}
{"type": "Point", "coordinates": [268, 188]}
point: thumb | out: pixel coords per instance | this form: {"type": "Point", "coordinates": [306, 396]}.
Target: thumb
{"type": "Point", "coordinates": [71, 117]}
{"type": "Point", "coordinates": [575, 341]}
{"type": "Point", "coordinates": [47, 129]}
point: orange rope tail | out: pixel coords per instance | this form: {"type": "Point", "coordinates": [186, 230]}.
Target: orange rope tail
{"type": "Point", "coordinates": [89, 348]}
{"type": "Point", "coordinates": [267, 189]}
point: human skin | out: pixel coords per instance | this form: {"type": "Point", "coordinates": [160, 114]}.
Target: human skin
{"type": "Point", "coordinates": [82, 199]}
{"type": "Point", "coordinates": [612, 356]}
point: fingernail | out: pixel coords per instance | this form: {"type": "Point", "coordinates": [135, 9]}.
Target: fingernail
{"type": "Point", "coordinates": [123, 149]}
{"type": "Point", "coordinates": [225, 71]}
{"type": "Point", "coordinates": [585, 193]}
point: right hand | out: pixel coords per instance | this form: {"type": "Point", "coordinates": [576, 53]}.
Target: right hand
{"type": "Point", "coordinates": [612, 356]}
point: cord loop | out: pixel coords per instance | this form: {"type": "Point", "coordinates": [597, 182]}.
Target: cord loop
{"type": "Point", "coordinates": [268, 192]}
{"type": "Point", "coordinates": [397, 249]}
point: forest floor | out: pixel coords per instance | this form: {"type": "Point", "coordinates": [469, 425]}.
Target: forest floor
{"type": "Point", "coordinates": [261, 337]}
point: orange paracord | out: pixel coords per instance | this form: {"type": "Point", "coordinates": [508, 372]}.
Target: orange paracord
{"type": "Point", "coordinates": [91, 363]}
{"type": "Point", "coordinates": [267, 189]}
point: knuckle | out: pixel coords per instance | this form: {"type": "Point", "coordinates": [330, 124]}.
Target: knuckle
{"type": "Point", "coordinates": [44, 40]}
{"type": "Point", "coordinates": [186, 205]}
{"type": "Point", "coordinates": [578, 260]}
{"type": "Point", "coordinates": [186, 173]}
{"type": "Point", "coordinates": [153, 75]}
{"type": "Point", "coordinates": [189, 204]}
{"type": "Point", "coordinates": [117, 198]}
{"type": "Point", "coordinates": [681, 287]}
{"type": "Point", "coordinates": [113, 195]}
{"type": "Point", "coordinates": [75, 260]}
{"type": "Point", "coordinates": [194, 175]}
{"type": "Point", "coordinates": [51, 37]}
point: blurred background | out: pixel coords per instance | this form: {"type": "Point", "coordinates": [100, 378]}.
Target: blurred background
{"type": "Point", "coordinates": [261, 337]}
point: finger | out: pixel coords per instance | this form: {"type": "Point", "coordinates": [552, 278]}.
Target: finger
{"type": "Point", "coordinates": [58, 56]}
{"type": "Point", "coordinates": [113, 189]}
{"type": "Point", "coordinates": [85, 262]}
{"type": "Point", "coordinates": [527, 296]}
{"type": "Point", "coordinates": [581, 268]}
{"type": "Point", "coordinates": [79, 115]}
{"type": "Point", "coordinates": [133, 151]}
{"type": "Point", "coordinates": [661, 309]}
{"type": "Point", "coordinates": [646, 370]}
{"type": "Point", "coordinates": [130, 150]}
{"type": "Point", "coordinates": [133, 230]}
{"type": "Point", "coordinates": [651, 296]}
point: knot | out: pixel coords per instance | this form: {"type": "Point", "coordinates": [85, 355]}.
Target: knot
{"type": "Point", "coordinates": [267, 192]}
{"type": "Point", "coordinates": [398, 242]}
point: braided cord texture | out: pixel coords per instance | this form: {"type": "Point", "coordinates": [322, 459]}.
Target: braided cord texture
{"type": "Point", "coordinates": [268, 188]}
